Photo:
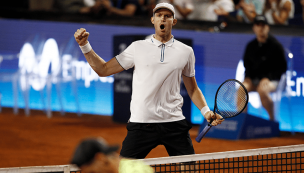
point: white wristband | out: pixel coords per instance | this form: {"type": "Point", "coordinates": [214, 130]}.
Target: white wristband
{"type": "Point", "coordinates": [86, 48]}
{"type": "Point", "coordinates": [204, 110]}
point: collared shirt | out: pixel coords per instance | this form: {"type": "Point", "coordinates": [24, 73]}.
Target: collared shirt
{"type": "Point", "coordinates": [264, 60]}
{"type": "Point", "coordinates": [156, 78]}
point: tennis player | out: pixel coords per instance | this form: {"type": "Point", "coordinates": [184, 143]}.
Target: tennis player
{"type": "Point", "coordinates": [156, 106]}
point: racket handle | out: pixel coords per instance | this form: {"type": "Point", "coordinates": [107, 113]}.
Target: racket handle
{"type": "Point", "coordinates": [203, 133]}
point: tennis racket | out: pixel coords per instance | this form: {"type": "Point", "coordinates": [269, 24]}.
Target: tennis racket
{"type": "Point", "coordinates": [231, 99]}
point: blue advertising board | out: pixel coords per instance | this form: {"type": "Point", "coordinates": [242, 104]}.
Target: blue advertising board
{"type": "Point", "coordinates": [42, 66]}
{"type": "Point", "coordinates": [243, 126]}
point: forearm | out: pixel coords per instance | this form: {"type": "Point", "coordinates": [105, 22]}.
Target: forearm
{"type": "Point", "coordinates": [120, 12]}
{"type": "Point", "coordinates": [128, 11]}
{"type": "Point", "coordinates": [283, 14]}
{"type": "Point", "coordinates": [196, 95]}
{"type": "Point", "coordinates": [183, 11]}
{"type": "Point", "coordinates": [100, 66]}
{"type": "Point", "coordinates": [277, 19]}
{"type": "Point", "coordinates": [250, 15]}
{"type": "Point", "coordinates": [96, 62]}
{"type": "Point", "coordinates": [198, 98]}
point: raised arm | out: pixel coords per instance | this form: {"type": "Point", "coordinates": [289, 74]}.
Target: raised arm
{"type": "Point", "coordinates": [199, 100]}
{"type": "Point", "coordinates": [284, 14]}
{"type": "Point", "coordinates": [184, 11]}
{"type": "Point", "coordinates": [249, 10]}
{"type": "Point", "coordinates": [100, 66]}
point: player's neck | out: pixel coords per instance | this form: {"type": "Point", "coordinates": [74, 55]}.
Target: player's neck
{"type": "Point", "coordinates": [163, 39]}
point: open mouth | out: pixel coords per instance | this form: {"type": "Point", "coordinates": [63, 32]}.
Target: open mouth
{"type": "Point", "coordinates": [162, 26]}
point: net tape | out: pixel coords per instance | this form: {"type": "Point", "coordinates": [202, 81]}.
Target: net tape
{"type": "Point", "coordinates": [44, 169]}
{"type": "Point", "coordinates": [273, 159]}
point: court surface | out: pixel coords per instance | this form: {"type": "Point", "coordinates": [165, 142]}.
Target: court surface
{"type": "Point", "coordinates": [38, 141]}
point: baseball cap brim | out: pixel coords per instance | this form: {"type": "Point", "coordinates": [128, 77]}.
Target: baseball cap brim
{"type": "Point", "coordinates": [166, 6]}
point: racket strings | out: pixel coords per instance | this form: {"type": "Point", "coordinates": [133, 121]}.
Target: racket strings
{"type": "Point", "coordinates": [231, 99]}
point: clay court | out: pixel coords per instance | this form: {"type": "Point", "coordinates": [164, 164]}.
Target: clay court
{"type": "Point", "coordinates": [36, 140]}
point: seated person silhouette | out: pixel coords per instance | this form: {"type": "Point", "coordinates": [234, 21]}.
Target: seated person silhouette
{"type": "Point", "coordinates": [264, 62]}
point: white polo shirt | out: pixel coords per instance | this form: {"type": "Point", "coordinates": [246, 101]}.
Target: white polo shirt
{"type": "Point", "coordinates": [156, 78]}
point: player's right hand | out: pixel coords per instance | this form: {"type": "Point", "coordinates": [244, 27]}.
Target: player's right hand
{"type": "Point", "coordinates": [81, 36]}
{"type": "Point", "coordinates": [217, 119]}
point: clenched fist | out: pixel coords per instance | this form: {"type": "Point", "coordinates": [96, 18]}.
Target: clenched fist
{"type": "Point", "coordinates": [81, 36]}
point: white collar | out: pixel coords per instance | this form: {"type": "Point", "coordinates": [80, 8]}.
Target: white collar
{"type": "Point", "coordinates": [158, 43]}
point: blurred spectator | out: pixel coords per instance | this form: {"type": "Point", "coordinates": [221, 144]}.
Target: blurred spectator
{"type": "Point", "coordinates": [15, 4]}
{"type": "Point", "coordinates": [183, 7]}
{"type": "Point", "coordinates": [206, 9]}
{"type": "Point", "coordinates": [121, 7]}
{"type": "Point", "coordinates": [95, 155]}
{"type": "Point", "coordinates": [38, 5]}
{"type": "Point", "coordinates": [245, 10]}
{"type": "Point", "coordinates": [278, 11]}
{"type": "Point", "coordinates": [302, 3]}
{"type": "Point", "coordinates": [100, 7]}
{"type": "Point", "coordinates": [74, 6]}
{"type": "Point", "coordinates": [249, 9]}
{"type": "Point", "coordinates": [147, 7]}
{"type": "Point", "coordinates": [264, 62]}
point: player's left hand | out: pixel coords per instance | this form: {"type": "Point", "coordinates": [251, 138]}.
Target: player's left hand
{"type": "Point", "coordinates": [217, 119]}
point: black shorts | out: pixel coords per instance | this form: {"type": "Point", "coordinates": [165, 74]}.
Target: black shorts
{"type": "Point", "coordinates": [143, 137]}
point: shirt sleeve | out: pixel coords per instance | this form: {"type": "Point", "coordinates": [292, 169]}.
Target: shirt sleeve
{"type": "Point", "coordinates": [189, 69]}
{"type": "Point", "coordinates": [258, 6]}
{"type": "Point", "coordinates": [227, 5]}
{"type": "Point", "coordinates": [189, 5]}
{"type": "Point", "coordinates": [126, 58]}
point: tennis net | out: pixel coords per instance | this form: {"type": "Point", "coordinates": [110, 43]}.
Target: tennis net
{"type": "Point", "coordinates": [274, 159]}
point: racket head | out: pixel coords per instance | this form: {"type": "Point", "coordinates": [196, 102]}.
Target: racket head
{"type": "Point", "coordinates": [231, 98]}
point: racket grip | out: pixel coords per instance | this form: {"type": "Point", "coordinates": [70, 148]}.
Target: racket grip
{"type": "Point", "coordinates": [203, 133]}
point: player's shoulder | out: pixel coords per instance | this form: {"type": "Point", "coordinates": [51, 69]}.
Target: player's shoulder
{"type": "Point", "coordinates": [182, 45]}
{"type": "Point", "coordinates": [141, 42]}
{"type": "Point", "coordinates": [274, 42]}
{"type": "Point", "coordinates": [271, 38]}
{"type": "Point", "coordinates": [252, 43]}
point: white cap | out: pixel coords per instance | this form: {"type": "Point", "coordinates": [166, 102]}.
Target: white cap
{"type": "Point", "coordinates": [164, 5]}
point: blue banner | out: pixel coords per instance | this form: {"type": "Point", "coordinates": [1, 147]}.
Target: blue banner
{"type": "Point", "coordinates": [40, 62]}
{"type": "Point", "coordinates": [243, 126]}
